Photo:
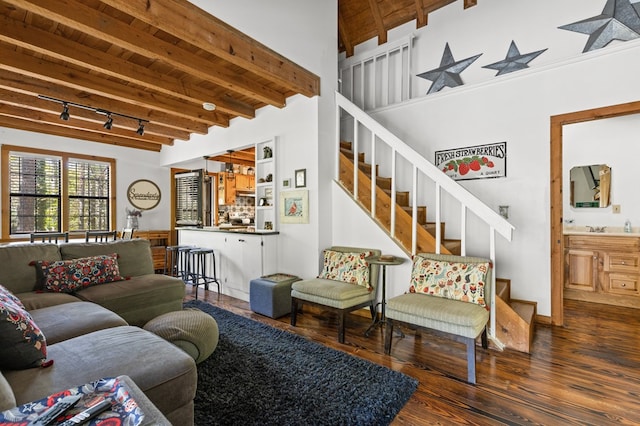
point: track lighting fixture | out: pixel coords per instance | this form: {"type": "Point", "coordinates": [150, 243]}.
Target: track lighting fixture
{"type": "Point", "coordinates": [109, 123]}
{"type": "Point", "coordinates": [65, 112]}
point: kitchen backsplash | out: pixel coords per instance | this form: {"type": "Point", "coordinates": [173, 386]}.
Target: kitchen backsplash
{"type": "Point", "coordinates": [244, 206]}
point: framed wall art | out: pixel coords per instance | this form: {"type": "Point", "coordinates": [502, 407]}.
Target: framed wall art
{"type": "Point", "coordinates": [301, 178]}
{"type": "Point", "coordinates": [294, 206]}
{"type": "Point", "coordinates": [143, 194]}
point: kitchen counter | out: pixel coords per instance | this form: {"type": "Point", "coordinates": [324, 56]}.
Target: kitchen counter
{"type": "Point", "coordinates": [234, 229]}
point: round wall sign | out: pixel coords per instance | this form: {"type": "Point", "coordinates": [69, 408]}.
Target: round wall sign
{"type": "Point", "coordinates": [143, 194]}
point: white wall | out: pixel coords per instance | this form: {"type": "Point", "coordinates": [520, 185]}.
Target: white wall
{"type": "Point", "coordinates": [131, 165]}
{"type": "Point", "coordinates": [614, 142]}
{"type": "Point", "coordinates": [306, 33]}
{"type": "Point", "coordinates": [515, 108]}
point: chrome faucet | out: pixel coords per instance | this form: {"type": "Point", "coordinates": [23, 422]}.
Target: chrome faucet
{"type": "Point", "coordinates": [596, 228]}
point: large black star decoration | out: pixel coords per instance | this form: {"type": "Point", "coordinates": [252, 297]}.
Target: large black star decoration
{"type": "Point", "coordinates": [448, 74]}
{"type": "Point", "coordinates": [619, 20]}
{"type": "Point", "coordinates": [514, 60]}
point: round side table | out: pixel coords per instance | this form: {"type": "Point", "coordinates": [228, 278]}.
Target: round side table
{"type": "Point", "coordinates": [384, 261]}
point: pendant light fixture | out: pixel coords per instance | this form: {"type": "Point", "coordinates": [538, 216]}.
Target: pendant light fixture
{"type": "Point", "coordinates": [206, 176]}
{"type": "Point", "coordinates": [229, 165]}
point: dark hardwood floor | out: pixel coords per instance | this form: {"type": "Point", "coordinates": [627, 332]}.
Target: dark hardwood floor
{"type": "Point", "coordinates": [586, 372]}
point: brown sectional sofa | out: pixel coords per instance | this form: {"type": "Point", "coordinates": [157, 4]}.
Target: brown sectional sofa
{"type": "Point", "coordinates": [96, 332]}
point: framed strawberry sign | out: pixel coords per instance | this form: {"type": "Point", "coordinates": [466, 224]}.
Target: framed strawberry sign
{"type": "Point", "coordinates": [474, 162]}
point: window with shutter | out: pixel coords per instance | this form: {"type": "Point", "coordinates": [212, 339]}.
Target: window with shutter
{"type": "Point", "coordinates": [53, 191]}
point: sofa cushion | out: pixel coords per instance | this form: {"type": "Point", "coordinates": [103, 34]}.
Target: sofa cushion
{"type": "Point", "coordinates": [22, 343]}
{"type": "Point", "coordinates": [138, 299]}
{"type": "Point", "coordinates": [348, 267]}
{"type": "Point", "coordinates": [68, 276]}
{"type": "Point", "coordinates": [21, 276]}
{"type": "Point", "coordinates": [70, 320]}
{"type": "Point", "coordinates": [134, 256]}
{"type": "Point", "coordinates": [39, 299]}
{"type": "Point", "coordinates": [165, 373]}
{"type": "Point", "coordinates": [452, 280]}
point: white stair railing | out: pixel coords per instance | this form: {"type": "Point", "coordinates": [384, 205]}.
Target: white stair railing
{"type": "Point", "coordinates": [420, 167]}
{"type": "Point", "coordinates": [380, 77]}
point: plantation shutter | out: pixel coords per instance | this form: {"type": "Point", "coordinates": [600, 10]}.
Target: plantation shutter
{"type": "Point", "coordinates": [35, 193]}
{"type": "Point", "coordinates": [88, 186]}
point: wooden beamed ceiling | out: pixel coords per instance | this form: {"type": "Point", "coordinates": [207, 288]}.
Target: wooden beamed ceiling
{"type": "Point", "coordinates": [362, 20]}
{"type": "Point", "coordinates": [154, 60]}
{"type": "Point", "coordinates": [158, 61]}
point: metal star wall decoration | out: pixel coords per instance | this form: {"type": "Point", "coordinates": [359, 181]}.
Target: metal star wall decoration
{"type": "Point", "coordinates": [448, 74]}
{"type": "Point", "coordinates": [619, 20]}
{"type": "Point", "coordinates": [514, 60]}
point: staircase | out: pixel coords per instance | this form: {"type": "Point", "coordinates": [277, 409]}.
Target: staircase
{"type": "Point", "coordinates": [515, 319]}
{"type": "Point", "coordinates": [426, 231]}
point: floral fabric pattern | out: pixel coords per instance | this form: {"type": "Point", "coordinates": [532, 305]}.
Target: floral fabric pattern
{"type": "Point", "coordinates": [67, 276]}
{"type": "Point", "coordinates": [22, 344]}
{"type": "Point", "coordinates": [451, 280]}
{"type": "Point", "coordinates": [7, 297]}
{"type": "Point", "coordinates": [350, 268]}
{"type": "Point", "coordinates": [124, 409]}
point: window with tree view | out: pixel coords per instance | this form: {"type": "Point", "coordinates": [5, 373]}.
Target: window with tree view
{"type": "Point", "coordinates": [58, 192]}
{"type": "Point", "coordinates": [34, 184]}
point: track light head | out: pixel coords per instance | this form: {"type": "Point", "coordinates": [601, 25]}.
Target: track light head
{"type": "Point", "coordinates": [140, 130]}
{"type": "Point", "coordinates": [109, 123]}
{"type": "Point", "coordinates": [65, 112]}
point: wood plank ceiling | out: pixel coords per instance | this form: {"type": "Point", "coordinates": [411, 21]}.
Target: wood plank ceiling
{"type": "Point", "coordinates": [362, 20]}
{"type": "Point", "coordinates": [151, 62]}
{"type": "Point", "coordinates": [155, 63]}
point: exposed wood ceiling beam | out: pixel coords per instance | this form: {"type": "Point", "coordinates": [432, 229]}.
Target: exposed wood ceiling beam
{"type": "Point", "coordinates": [421, 19]}
{"type": "Point", "coordinates": [212, 35]}
{"type": "Point", "coordinates": [344, 36]}
{"type": "Point", "coordinates": [381, 30]}
{"type": "Point", "coordinates": [15, 123]}
{"type": "Point", "coordinates": [77, 123]}
{"type": "Point", "coordinates": [75, 79]}
{"type": "Point", "coordinates": [87, 20]}
{"type": "Point", "coordinates": [60, 48]}
{"type": "Point", "coordinates": [34, 86]}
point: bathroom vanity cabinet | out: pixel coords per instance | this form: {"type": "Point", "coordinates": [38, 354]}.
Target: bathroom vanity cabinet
{"type": "Point", "coordinates": [603, 268]}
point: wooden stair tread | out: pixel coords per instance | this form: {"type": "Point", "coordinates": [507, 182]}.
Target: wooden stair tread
{"type": "Point", "coordinates": [525, 310]}
{"type": "Point", "coordinates": [349, 153]}
{"type": "Point", "coordinates": [503, 289]}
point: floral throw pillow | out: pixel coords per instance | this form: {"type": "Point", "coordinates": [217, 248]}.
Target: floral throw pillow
{"type": "Point", "coordinates": [451, 280]}
{"type": "Point", "coordinates": [346, 267]}
{"type": "Point", "coordinates": [67, 276]}
{"type": "Point", "coordinates": [22, 344]}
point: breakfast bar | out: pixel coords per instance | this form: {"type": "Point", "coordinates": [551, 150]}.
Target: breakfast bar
{"type": "Point", "coordinates": [241, 254]}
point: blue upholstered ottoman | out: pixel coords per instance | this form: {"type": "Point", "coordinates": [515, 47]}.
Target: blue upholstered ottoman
{"type": "Point", "coordinates": [271, 295]}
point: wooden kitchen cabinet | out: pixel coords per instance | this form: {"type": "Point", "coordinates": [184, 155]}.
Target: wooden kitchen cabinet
{"type": "Point", "coordinates": [603, 269]}
{"type": "Point", "coordinates": [226, 189]}
{"type": "Point", "coordinates": [245, 182]}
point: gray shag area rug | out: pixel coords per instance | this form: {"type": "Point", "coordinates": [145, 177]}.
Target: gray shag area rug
{"type": "Point", "coordinates": [260, 375]}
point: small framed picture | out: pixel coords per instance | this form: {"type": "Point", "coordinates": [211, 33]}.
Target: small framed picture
{"type": "Point", "coordinates": [301, 178]}
{"type": "Point", "coordinates": [286, 183]}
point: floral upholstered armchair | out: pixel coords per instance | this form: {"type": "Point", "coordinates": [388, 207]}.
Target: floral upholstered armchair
{"type": "Point", "coordinates": [347, 282]}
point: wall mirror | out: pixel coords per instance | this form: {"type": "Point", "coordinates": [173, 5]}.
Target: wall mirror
{"type": "Point", "coordinates": [590, 186]}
